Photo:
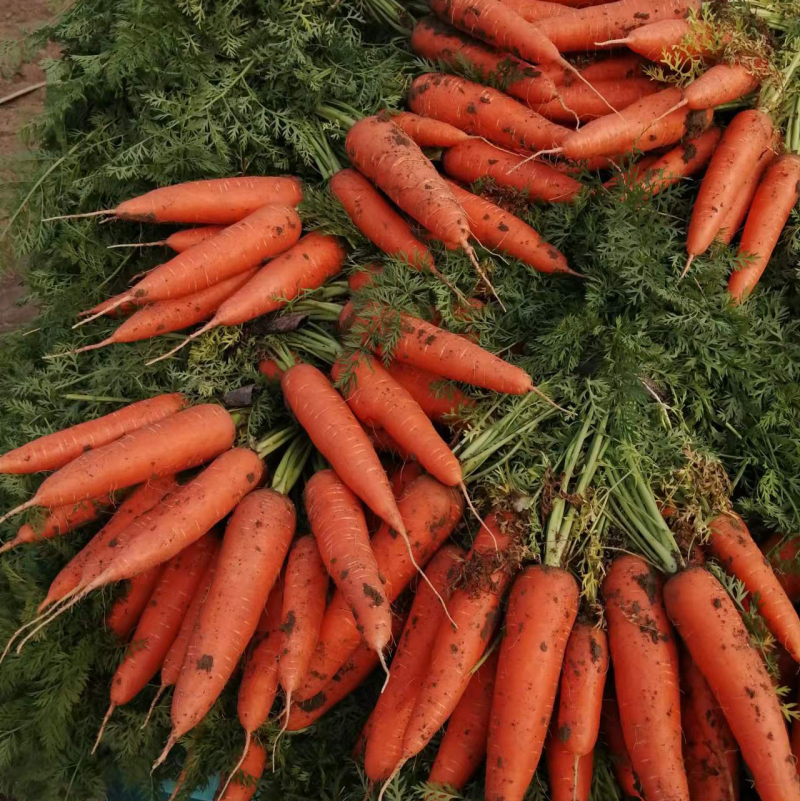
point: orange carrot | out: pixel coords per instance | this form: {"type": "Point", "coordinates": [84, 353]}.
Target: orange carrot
{"type": "Point", "coordinates": [535, 10]}
{"type": "Point", "coordinates": [180, 240]}
{"type": "Point", "coordinates": [219, 201]}
{"type": "Point", "coordinates": [620, 759]}
{"type": "Point", "coordinates": [440, 403]}
{"type": "Point", "coordinates": [734, 218]}
{"type": "Point", "coordinates": [634, 173]}
{"type": "Point", "coordinates": [781, 551]}
{"type": "Point", "coordinates": [712, 630]}
{"type": "Point", "coordinates": [271, 369]}
{"type": "Point", "coordinates": [404, 475]}
{"type": "Point", "coordinates": [665, 40]}
{"type": "Point", "coordinates": [340, 439]}
{"type": "Point", "coordinates": [776, 196]}
{"type": "Point", "coordinates": [610, 68]}
{"type": "Point", "coordinates": [578, 104]}
{"type": "Point", "coordinates": [731, 543]}
{"type": "Point", "coordinates": [720, 84]}
{"type": "Point", "coordinates": [570, 776]}
{"type": "Point", "coordinates": [128, 607]}
{"type": "Point", "coordinates": [645, 657]}
{"type": "Point", "coordinates": [244, 783]}
{"type": "Point", "coordinates": [473, 160]}
{"type": "Point", "coordinates": [363, 277]}
{"type": "Point", "coordinates": [256, 541]}
{"type": "Point", "coordinates": [541, 611]}
{"type": "Point", "coordinates": [484, 112]}
{"type": "Point", "coordinates": [56, 450]}
{"type": "Point", "coordinates": [426, 132]}
{"type": "Point", "coordinates": [377, 219]}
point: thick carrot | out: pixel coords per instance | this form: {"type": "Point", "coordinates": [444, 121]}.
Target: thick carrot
{"type": "Point", "coordinates": [645, 657]}
{"type": "Point", "coordinates": [426, 132]}
{"type": "Point", "coordinates": [463, 746]}
{"type": "Point", "coordinates": [620, 759]}
{"type": "Point", "coordinates": [498, 229]}
{"type": "Point", "coordinates": [128, 607]}
{"type": "Point", "coordinates": [180, 240]}
{"type": "Point", "coordinates": [774, 200]}
{"type": "Point", "coordinates": [440, 403]}
{"type": "Point", "coordinates": [535, 10]}
{"type": "Point", "coordinates": [338, 436]}
{"type": "Point", "coordinates": [541, 612]}
{"type": "Point", "coordinates": [377, 399]}
{"type": "Point", "coordinates": [582, 682]}
{"type": "Point", "coordinates": [60, 521]}
{"type": "Point", "coordinates": [409, 665]}
{"type": "Point", "coordinates": [664, 41]}
{"type": "Point", "coordinates": [746, 141]}
{"type": "Point", "coordinates": [730, 541]}
{"type": "Point", "coordinates": [340, 529]}
{"type": "Point", "coordinates": [570, 776]}
{"type": "Point", "coordinates": [473, 160]}
{"type": "Point", "coordinates": [734, 218]}
{"type": "Point", "coordinates": [782, 554]}
{"type": "Point", "coordinates": [244, 782]}
{"type": "Point", "coordinates": [430, 511]}
{"type": "Point", "coordinates": [377, 219]}
{"type": "Point", "coordinates": [56, 450]}
{"type": "Point", "coordinates": [220, 201]}
{"type": "Point", "coordinates": [720, 84]}
{"type": "Point", "coordinates": [256, 541]}
{"type": "Point", "coordinates": [720, 646]}
{"type": "Point", "coordinates": [484, 112]}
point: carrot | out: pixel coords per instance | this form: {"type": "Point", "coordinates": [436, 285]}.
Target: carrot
{"type": "Point", "coordinates": [220, 201]}
{"type": "Point", "coordinates": [615, 741]}
{"type": "Point", "coordinates": [535, 10]}
{"type": "Point", "coordinates": [195, 435]}
{"type": "Point", "coordinates": [645, 658]}
{"type": "Point", "coordinates": [474, 160]}
{"type": "Point", "coordinates": [776, 196]}
{"type": "Point", "coordinates": [570, 776]}
{"type": "Point", "coordinates": [56, 450]}
{"type": "Point", "coordinates": [60, 521]}
{"type": "Point", "coordinates": [634, 173]}
{"type": "Point", "coordinates": [339, 527]}
{"type": "Point", "coordinates": [541, 611]}
{"type": "Point", "coordinates": [440, 403]}
{"type": "Point", "coordinates": [364, 276]}
{"type": "Point", "coordinates": [409, 665]}
{"type": "Point", "coordinates": [587, 27]}
{"type": "Point", "coordinates": [735, 216]}
{"type": "Point", "coordinates": [665, 40]}
{"type": "Point", "coordinates": [245, 782]}
{"type": "Point", "coordinates": [610, 68]}
{"type": "Point", "coordinates": [430, 511]}
{"type": "Point", "coordinates": [405, 474]}
{"type": "Point", "coordinates": [159, 624]}
{"type": "Point", "coordinates": [384, 442]}
{"type": "Point", "coordinates": [463, 746]}
{"type": "Point", "coordinates": [720, 84]}
{"type": "Point", "coordinates": [746, 141]}
{"type": "Point", "coordinates": [116, 306]}
{"type": "Point", "coordinates": [780, 551]}
{"type": "Point", "coordinates": [582, 681]}
{"type": "Point", "coordinates": [256, 541]}
{"type": "Point", "coordinates": [426, 132]}
{"type": "Point", "coordinates": [484, 112]}
{"type": "Point", "coordinates": [377, 219]}
{"type": "Point", "coordinates": [376, 398]}
{"type": "Point", "coordinates": [180, 240]}
{"type": "Point", "coordinates": [338, 436]}
{"type": "Point", "coordinates": [498, 229]}
{"type": "Point", "coordinates": [271, 370]}
{"type": "Point", "coordinates": [731, 543]}
{"type": "Point", "coordinates": [712, 630]}
{"type": "Point", "coordinates": [128, 607]}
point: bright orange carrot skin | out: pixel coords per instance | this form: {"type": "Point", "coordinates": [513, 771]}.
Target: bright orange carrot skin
{"type": "Point", "coordinates": [219, 200]}
{"type": "Point", "coordinates": [127, 609]}
{"type": "Point", "coordinates": [712, 630]}
{"type": "Point", "coordinates": [720, 84]}
{"type": "Point", "coordinates": [730, 541]}
{"type": "Point", "coordinates": [570, 776]}
{"type": "Point", "coordinates": [338, 436]}
{"type": "Point", "coordinates": [256, 541]}
{"type": "Point", "coordinates": [645, 656]}
{"type": "Point", "coordinates": [252, 769]}
{"type": "Point", "coordinates": [772, 204]}
{"type": "Point", "coordinates": [189, 237]}
{"type": "Point", "coordinates": [463, 746]}
{"type": "Point", "coordinates": [271, 370]}
{"type": "Point", "coordinates": [441, 404]}
{"type": "Point", "coordinates": [535, 10]}
{"type": "Point", "coordinates": [426, 132]}
{"type": "Point", "coordinates": [340, 529]}
{"type": "Point", "coordinates": [473, 160]}
{"type": "Point", "coordinates": [377, 219]}
{"type": "Point", "coordinates": [734, 218]}
{"type": "Point", "coordinates": [635, 172]}
{"type": "Point", "coordinates": [405, 474]}
{"type": "Point", "coordinates": [430, 511]}
{"type": "Point", "coordinates": [377, 399]}
{"type": "Point", "coordinates": [610, 68]}
{"type": "Point", "coordinates": [541, 612]}
{"type": "Point", "coordinates": [581, 100]}
{"type": "Point", "coordinates": [393, 709]}
{"type": "Point", "coordinates": [363, 277]}
{"type": "Point", "coordinates": [664, 40]}
{"type": "Point", "coordinates": [484, 112]}
{"type": "Point", "coordinates": [56, 450]}
{"type": "Point", "coordinates": [612, 734]}
{"type": "Point", "coordinates": [781, 551]}
{"type": "Point", "coordinates": [582, 681]}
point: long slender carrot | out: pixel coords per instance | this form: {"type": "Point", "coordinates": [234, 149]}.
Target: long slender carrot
{"type": "Point", "coordinates": [782, 554]}
{"type": "Point", "coordinates": [128, 607]}
{"type": "Point", "coordinates": [426, 132]}
{"type": "Point", "coordinates": [665, 40]}
{"type": "Point", "coordinates": [734, 218]}
{"type": "Point", "coordinates": [440, 402]}
{"type": "Point", "coordinates": [180, 240]}
{"type": "Point", "coordinates": [712, 630]}
{"type": "Point", "coordinates": [772, 204]}
{"type": "Point", "coordinates": [256, 541]}
{"type": "Point", "coordinates": [244, 782]}
{"type": "Point", "coordinates": [570, 776]}
{"type": "Point", "coordinates": [645, 657]}
{"type": "Point", "coordinates": [541, 612]}
{"type": "Point", "coordinates": [620, 759]}
{"type": "Point", "coordinates": [56, 450]}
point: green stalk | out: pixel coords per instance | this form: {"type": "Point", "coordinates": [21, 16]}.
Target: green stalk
{"type": "Point", "coordinates": [331, 114]}
{"type": "Point", "coordinates": [275, 439]}
{"type": "Point", "coordinates": [291, 465]}
{"type": "Point", "coordinates": [283, 356]}
{"type": "Point", "coordinates": [314, 341]}
{"type": "Point", "coordinates": [318, 310]}
{"type": "Point", "coordinates": [96, 398]}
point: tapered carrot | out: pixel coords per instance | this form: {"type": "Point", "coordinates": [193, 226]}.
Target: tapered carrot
{"type": "Point", "coordinates": [541, 611]}
{"type": "Point", "coordinates": [782, 554]}
{"type": "Point", "coordinates": [484, 112]}
{"type": "Point", "coordinates": [56, 450]}
{"type": "Point", "coordinates": [474, 160]}
{"type": "Point", "coordinates": [337, 521]}
{"type": "Point", "coordinates": [426, 132]}
{"type": "Point", "coordinates": [340, 439]}
{"type": "Point", "coordinates": [578, 104]}
{"type": "Point", "coordinates": [194, 435]}
{"type": "Point", "coordinates": [620, 759]}
{"type": "Point", "coordinates": [645, 657]}
{"type": "Point", "coordinates": [712, 630]}
{"type": "Point", "coordinates": [244, 782]}
{"type": "Point", "coordinates": [734, 218]}
{"type": "Point", "coordinates": [128, 607]}
{"type": "Point", "coordinates": [219, 200]}
{"type": "Point", "coordinates": [430, 511]}
{"type": "Point", "coordinates": [180, 240]}
{"type": "Point", "coordinates": [730, 541]}
{"type": "Point", "coordinates": [440, 403]}
{"type": "Point", "coordinates": [116, 306]}
{"type": "Point", "coordinates": [570, 776]}
{"type": "Point", "coordinates": [665, 40]}
{"type": "Point", "coordinates": [256, 541]}
{"type": "Point", "coordinates": [409, 665]}
{"type": "Point", "coordinates": [776, 196]}
{"type": "Point", "coordinates": [377, 219]}
{"type": "Point", "coordinates": [720, 84]}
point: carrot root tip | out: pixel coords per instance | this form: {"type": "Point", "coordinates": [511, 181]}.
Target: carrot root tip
{"type": "Point", "coordinates": [485, 278]}
{"type": "Point", "coordinates": [153, 705]}
{"type": "Point", "coordinates": [238, 765]}
{"type": "Point", "coordinates": [686, 268]}
{"type": "Point", "coordinates": [382, 658]}
{"type": "Point", "coordinates": [8, 545]}
{"type": "Point", "coordinates": [286, 711]}
{"type": "Point", "coordinates": [78, 216]}
{"type": "Point", "coordinates": [105, 311]}
{"type": "Point", "coordinates": [207, 327]}
{"type": "Point", "coordinates": [173, 738]}
{"type": "Point", "coordinates": [17, 509]}
{"type": "Point", "coordinates": [397, 768]}
{"type": "Point", "coordinates": [111, 709]}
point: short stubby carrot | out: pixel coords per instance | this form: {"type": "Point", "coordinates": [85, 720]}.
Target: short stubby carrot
{"type": "Point", "coordinates": [438, 400]}
{"type": "Point", "coordinates": [60, 448]}
{"type": "Point", "coordinates": [569, 776]}
{"type": "Point", "coordinates": [128, 607]}
{"type": "Point", "coordinates": [427, 132]}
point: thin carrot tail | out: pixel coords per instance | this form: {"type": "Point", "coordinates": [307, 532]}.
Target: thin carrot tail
{"type": "Point", "coordinates": [123, 299]}
{"type": "Point", "coordinates": [33, 622]}
{"type": "Point", "coordinates": [105, 343]}
{"type": "Point", "coordinates": [537, 391]}
{"type": "Point", "coordinates": [7, 546]}
{"type": "Point", "coordinates": [547, 152]}
{"type": "Point", "coordinates": [17, 509]}
{"type": "Point", "coordinates": [569, 110]}
{"type": "Point", "coordinates": [613, 42]}
{"type": "Point", "coordinates": [478, 269]}
{"type": "Point", "coordinates": [173, 738]}
{"type": "Point", "coordinates": [686, 268]}
{"type": "Point", "coordinates": [49, 619]}
{"type": "Point", "coordinates": [463, 487]}
{"type": "Point", "coordinates": [153, 705]}
{"type": "Point", "coordinates": [178, 785]}
{"type": "Point", "coordinates": [238, 765]}
{"type": "Point", "coordinates": [397, 768]}
{"type": "Point", "coordinates": [676, 107]}
{"type": "Point", "coordinates": [77, 216]}
{"type": "Point", "coordinates": [382, 658]}
{"type": "Point", "coordinates": [207, 327]}
{"type": "Point", "coordinates": [577, 72]}
{"type": "Point", "coordinates": [111, 709]}
{"type": "Point", "coordinates": [287, 709]}
{"type": "Point", "coordinates": [575, 786]}
{"type": "Point", "coordinates": [138, 245]}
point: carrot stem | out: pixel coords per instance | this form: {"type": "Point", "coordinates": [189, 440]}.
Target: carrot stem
{"type": "Point", "coordinates": [138, 245]}
{"type": "Point", "coordinates": [275, 439]}
{"type": "Point", "coordinates": [291, 465]}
